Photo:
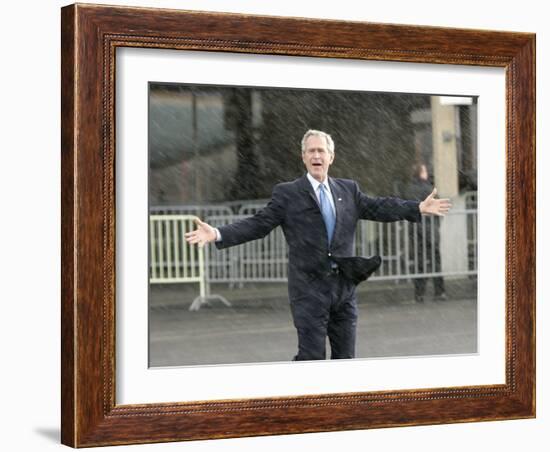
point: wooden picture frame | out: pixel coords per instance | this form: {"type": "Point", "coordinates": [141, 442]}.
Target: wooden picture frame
{"type": "Point", "coordinates": [90, 36]}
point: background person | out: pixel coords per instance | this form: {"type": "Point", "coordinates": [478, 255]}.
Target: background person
{"type": "Point", "coordinates": [424, 238]}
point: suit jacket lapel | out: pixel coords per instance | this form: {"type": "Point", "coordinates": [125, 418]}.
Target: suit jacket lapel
{"type": "Point", "coordinates": [307, 190]}
{"type": "Point", "coordinates": [338, 205]}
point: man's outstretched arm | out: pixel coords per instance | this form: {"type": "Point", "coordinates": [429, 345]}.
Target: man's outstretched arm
{"type": "Point", "coordinates": [394, 209]}
{"type": "Point", "coordinates": [433, 206]}
{"type": "Point", "coordinates": [241, 231]}
{"type": "Point", "coordinates": [202, 235]}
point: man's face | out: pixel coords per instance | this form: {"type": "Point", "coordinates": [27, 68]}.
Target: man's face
{"type": "Point", "coordinates": [317, 157]}
{"type": "Point", "coordinates": [423, 174]}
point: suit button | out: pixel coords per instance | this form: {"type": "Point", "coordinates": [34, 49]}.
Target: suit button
{"type": "Point", "coordinates": [329, 254]}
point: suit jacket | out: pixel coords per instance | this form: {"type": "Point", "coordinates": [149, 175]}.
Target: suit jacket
{"type": "Point", "coordinates": [294, 207]}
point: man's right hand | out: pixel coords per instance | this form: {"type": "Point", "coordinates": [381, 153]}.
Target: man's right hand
{"type": "Point", "coordinates": [202, 235]}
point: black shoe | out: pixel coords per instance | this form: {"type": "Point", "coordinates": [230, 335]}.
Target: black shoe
{"type": "Point", "coordinates": [419, 298]}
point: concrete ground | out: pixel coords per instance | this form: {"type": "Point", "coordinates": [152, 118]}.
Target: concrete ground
{"type": "Point", "coordinates": [258, 326]}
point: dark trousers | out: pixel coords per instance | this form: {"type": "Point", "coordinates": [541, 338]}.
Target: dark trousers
{"type": "Point", "coordinates": [428, 257]}
{"type": "Point", "coordinates": [329, 310]}
{"type": "Point", "coordinates": [420, 286]}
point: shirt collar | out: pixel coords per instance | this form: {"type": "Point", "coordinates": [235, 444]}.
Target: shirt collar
{"type": "Point", "coordinates": [315, 183]}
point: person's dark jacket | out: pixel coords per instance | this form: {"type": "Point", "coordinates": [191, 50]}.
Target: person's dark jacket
{"type": "Point", "coordinates": [294, 207]}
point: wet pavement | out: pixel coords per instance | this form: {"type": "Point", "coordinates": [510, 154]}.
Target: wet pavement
{"type": "Point", "coordinates": [258, 326]}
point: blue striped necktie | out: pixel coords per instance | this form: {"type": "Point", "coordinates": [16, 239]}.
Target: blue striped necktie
{"type": "Point", "coordinates": [327, 212]}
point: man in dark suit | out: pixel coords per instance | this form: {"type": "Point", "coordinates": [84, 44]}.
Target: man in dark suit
{"type": "Point", "coordinates": [318, 216]}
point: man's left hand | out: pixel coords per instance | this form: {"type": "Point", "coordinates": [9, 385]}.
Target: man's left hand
{"type": "Point", "coordinates": [432, 206]}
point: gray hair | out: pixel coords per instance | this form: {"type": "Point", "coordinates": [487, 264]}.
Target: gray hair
{"type": "Point", "coordinates": [318, 133]}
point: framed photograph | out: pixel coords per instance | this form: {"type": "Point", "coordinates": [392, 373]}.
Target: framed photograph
{"type": "Point", "coordinates": [177, 122]}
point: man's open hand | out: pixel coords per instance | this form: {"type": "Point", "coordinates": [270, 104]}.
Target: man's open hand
{"type": "Point", "coordinates": [202, 235]}
{"type": "Point", "coordinates": [432, 206]}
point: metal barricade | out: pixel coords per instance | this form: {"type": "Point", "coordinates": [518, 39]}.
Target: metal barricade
{"type": "Point", "coordinates": [173, 260]}
{"type": "Point", "coordinates": [201, 211]}
{"type": "Point", "coordinates": [434, 247]}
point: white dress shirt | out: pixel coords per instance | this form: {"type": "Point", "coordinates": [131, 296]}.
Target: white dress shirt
{"type": "Point", "coordinates": [317, 186]}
